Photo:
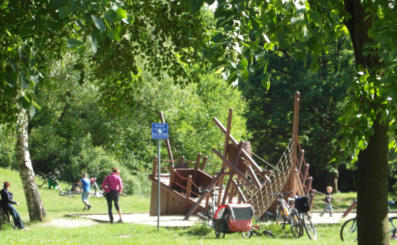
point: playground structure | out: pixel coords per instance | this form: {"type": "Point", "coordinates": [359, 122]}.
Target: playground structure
{"type": "Point", "coordinates": [181, 188]}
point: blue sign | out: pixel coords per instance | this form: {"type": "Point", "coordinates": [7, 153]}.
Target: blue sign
{"type": "Point", "coordinates": [159, 131]}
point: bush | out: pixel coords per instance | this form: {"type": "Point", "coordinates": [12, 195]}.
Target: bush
{"type": "Point", "coordinates": [138, 184]}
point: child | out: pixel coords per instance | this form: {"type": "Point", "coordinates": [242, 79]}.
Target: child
{"type": "Point", "coordinates": [328, 202]}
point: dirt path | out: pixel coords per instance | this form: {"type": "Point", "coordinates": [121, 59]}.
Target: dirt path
{"type": "Point", "coordinates": [81, 220]}
{"type": "Point", "coordinates": [70, 223]}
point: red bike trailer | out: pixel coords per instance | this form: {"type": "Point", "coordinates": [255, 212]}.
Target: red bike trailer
{"type": "Point", "coordinates": [233, 218]}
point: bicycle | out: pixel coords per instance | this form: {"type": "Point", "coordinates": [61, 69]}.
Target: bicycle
{"type": "Point", "coordinates": [303, 207]}
{"type": "Point", "coordinates": [50, 178]}
{"type": "Point", "coordinates": [287, 215]}
{"type": "Point", "coordinates": [348, 231]}
{"type": "Point", "coordinates": [212, 206]}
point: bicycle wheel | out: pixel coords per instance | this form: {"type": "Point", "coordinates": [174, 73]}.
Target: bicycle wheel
{"type": "Point", "coordinates": [348, 231]}
{"type": "Point", "coordinates": [309, 227]}
{"type": "Point", "coordinates": [393, 228]}
{"type": "Point", "coordinates": [281, 218]}
{"type": "Point", "coordinates": [210, 217]}
{"type": "Point", "coordinates": [42, 180]}
{"type": "Point", "coordinates": [296, 228]}
{"type": "Point", "coordinates": [246, 234]}
{"type": "Point", "coordinates": [219, 234]}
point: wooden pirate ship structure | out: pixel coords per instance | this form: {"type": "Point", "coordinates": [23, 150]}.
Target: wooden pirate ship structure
{"type": "Point", "coordinates": [239, 180]}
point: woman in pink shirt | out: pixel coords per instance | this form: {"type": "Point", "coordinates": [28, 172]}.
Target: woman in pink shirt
{"type": "Point", "coordinates": [113, 185]}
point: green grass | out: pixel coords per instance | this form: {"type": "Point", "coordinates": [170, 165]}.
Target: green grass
{"type": "Point", "coordinates": [58, 206]}
{"type": "Point", "coordinates": [340, 202]}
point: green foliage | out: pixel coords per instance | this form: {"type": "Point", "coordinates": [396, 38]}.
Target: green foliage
{"type": "Point", "coordinates": [83, 132]}
{"type": "Point", "coordinates": [7, 148]}
{"type": "Point", "coordinates": [188, 110]}
{"type": "Point", "coordinates": [270, 115]}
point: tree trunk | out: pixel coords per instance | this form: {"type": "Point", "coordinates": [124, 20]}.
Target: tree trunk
{"type": "Point", "coordinates": [372, 175]}
{"type": "Point", "coordinates": [33, 199]}
{"type": "Point", "coordinates": [372, 186]}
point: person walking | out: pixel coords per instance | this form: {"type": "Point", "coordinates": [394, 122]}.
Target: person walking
{"type": "Point", "coordinates": [112, 186]}
{"type": "Point", "coordinates": [328, 202]}
{"type": "Point", "coordinates": [7, 202]}
{"type": "Point", "coordinates": [85, 194]}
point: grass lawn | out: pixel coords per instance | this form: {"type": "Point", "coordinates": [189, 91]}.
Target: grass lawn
{"type": "Point", "coordinates": [58, 206]}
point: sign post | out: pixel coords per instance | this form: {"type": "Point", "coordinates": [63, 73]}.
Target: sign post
{"type": "Point", "coordinates": [159, 132]}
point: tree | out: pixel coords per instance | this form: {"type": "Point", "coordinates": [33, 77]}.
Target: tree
{"type": "Point", "coordinates": [38, 32]}
{"type": "Point", "coordinates": [270, 115]}
{"type": "Point", "coordinates": [256, 26]}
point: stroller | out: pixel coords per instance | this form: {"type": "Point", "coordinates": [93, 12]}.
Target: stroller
{"type": "Point", "coordinates": [233, 218]}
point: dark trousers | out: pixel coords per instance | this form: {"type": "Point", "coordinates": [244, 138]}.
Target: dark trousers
{"type": "Point", "coordinates": [15, 216]}
{"type": "Point", "coordinates": [112, 196]}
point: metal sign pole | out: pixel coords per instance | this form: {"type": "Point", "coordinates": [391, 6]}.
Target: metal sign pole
{"type": "Point", "coordinates": [159, 132]}
{"type": "Point", "coordinates": [158, 190]}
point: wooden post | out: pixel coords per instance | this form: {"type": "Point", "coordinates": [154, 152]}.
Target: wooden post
{"type": "Point", "coordinates": [306, 173]}
{"type": "Point", "coordinates": [204, 162]}
{"type": "Point", "coordinates": [312, 196]}
{"type": "Point", "coordinates": [294, 177]}
{"type": "Point", "coordinates": [196, 165]}
{"type": "Point", "coordinates": [309, 184]}
{"type": "Point", "coordinates": [295, 125]}
{"type": "Point", "coordinates": [154, 170]}
{"type": "Point", "coordinates": [302, 156]}
{"type": "Point", "coordinates": [189, 187]}
{"type": "Point", "coordinates": [182, 160]}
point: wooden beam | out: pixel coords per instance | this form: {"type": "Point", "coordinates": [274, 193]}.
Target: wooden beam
{"type": "Point", "coordinates": [204, 162]}
{"type": "Point", "coordinates": [236, 160]}
{"type": "Point", "coordinates": [227, 136]}
{"type": "Point", "coordinates": [237, 171]}
{"type": "Point", "coordinates": [240, 192]}
{"type": "Point", "coordinates": [244, 152]}
{"type": "Point", "coordinates": [210, 185]}
{"type": "Point", "coordinates": [167, 142]}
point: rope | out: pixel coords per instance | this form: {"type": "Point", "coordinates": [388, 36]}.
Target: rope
{"type": "Point", "coordinates": [264, 161]}
{"type": "Point", "coordinates": [185, 178]}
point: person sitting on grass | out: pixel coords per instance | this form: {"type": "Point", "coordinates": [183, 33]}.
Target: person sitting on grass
{"type": "Point", "coordinates": [7, 202]}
